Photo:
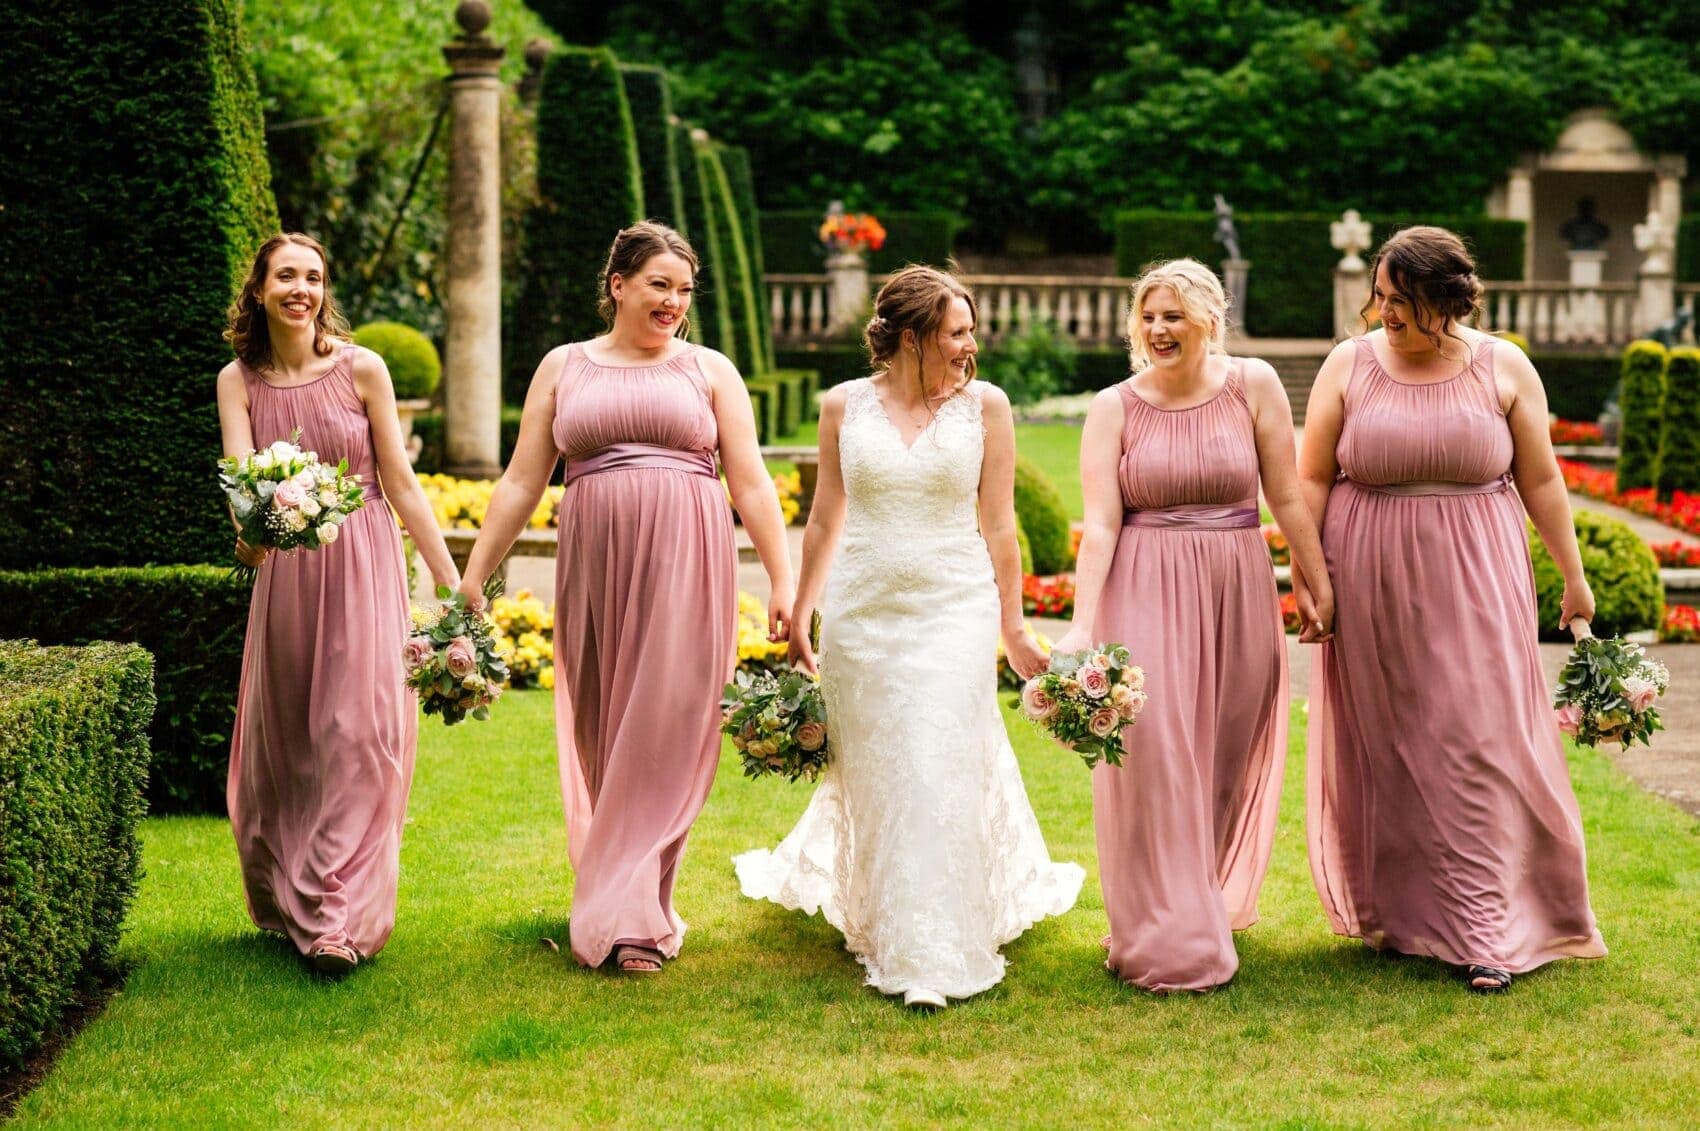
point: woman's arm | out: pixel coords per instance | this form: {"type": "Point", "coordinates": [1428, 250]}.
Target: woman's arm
{"type": "Point", "coordinates": [522, 485]}
{"type": "Point", "coordinates": [236, 432]}
{"type": "Point", "coordinates": [1277, 465]}
{"type": "Point", "coordinates": [997, 527]}
{"type": "Point", "coordinates": [395, 471]}
{"type": "Point", "coordinates": [1100, 483]}
{"type": "Point", "coordinates": [752, 488]}
{"type": "Point", "coordinates": [1325, 415]}
{"type": "Point", "coordinates": [1540, 484]}
{"type": "Point", "coordinates": [820, 536]}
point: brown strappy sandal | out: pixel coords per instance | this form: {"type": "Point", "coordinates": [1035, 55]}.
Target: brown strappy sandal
{"type": "Point", "coordinates": [334, 960]}
{"type": "Point", "coordinates": [630, 958]}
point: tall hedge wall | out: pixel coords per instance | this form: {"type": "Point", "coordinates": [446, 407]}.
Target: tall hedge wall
{"type": "Point", "coordinates": [191, 618]}
{"type": "Point", "coordinates": [589, 186]}
{"type": "Point", "coordinates": [1290, 291]}
{"type": "Point", "coordinates": [711, 314]}
{"type": "Point", "coordinates": [135, 190]}
{"type": "Point", "coordinates": [1643, 403]}
{"type": "Point", "coordinates": [791, 240]}
{"type": "Point", "coordinates": [1679, 425]}
{"type": "Point", "coordinates": [738, 283]}
{"type": "Point", "coordinates": [736, 161]}
{"type": "Point", "coordinates": [73, 757]}
{"type": "Point", "coordinates": [651, 101]}
{"type": "Point", "coordinates": [1688, 249]}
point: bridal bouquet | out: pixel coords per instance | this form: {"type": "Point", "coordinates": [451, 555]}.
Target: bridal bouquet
{"type": "Point", "coordinates": [451, 659]}
{"type": "Point", "coordinates": [777, 720]}
{"type": "Point", "coordinates": [286, 498]}
{"type": "Point", "coordinates": [1607, 690]}
{"type": "Point", "coordinates": [1085, 698]}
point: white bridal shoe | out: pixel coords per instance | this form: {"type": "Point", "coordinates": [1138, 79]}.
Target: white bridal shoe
{"type": "Point", "coordinates": [925, 999]}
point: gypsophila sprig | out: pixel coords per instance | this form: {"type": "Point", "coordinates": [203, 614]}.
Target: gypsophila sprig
{"type": "Point", "coordinates": [1085, 698]}
{"type": "Point", "coordinates": [451, 659]}
{"type": "Point", "coordinates": [1607, 690]}
{"type": "Point", "coordinates": [777, 720]}
{"type": "Point", "coordinates": [286, 498]}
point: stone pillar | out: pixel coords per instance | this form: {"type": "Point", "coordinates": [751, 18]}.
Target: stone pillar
{"type": "Point", "coordinates": [1520, 205]}
{"type": "Point", "coordinates": [472, 304]}
{"type": "Point", "coordinates": [1586, 321]}
{"type": "Point", "coordinates": [847, 284]}
{"type": "Point", "coordinates": [1234, 272]}
{"type": "Point", "coordinates": [1350, 236]}
{"type": "Point", "coordinates": [1656, 301]}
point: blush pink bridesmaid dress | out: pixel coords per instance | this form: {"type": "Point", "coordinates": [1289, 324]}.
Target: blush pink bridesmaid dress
{"type": "Point", "coordinates": [1186, 823]}
{"type": "Point", "coordinates": [322, 755]}
{"type": "Point", "coordinates": [1441, 818]}
{"type": "Point", "coordinates": [645, 637]}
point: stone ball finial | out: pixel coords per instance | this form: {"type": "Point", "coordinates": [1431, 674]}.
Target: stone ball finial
{"type": "Point", "coordinates": [537, 53]}
{"type": "Point", "coordinates": [473, 16]}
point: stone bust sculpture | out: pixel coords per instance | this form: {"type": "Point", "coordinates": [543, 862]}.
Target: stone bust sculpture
{"type": "Point", "coordinates": [1584, 231]}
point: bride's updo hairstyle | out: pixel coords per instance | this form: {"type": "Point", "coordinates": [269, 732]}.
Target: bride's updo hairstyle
{"type": "Point", "coordinates": [914, 299]}
{"type": "Point", "coordinates": [1432, 267]}
{"type": "Point", "coordinates": [634, 247]}
{"type": "Point", "coordinates": [1202, 300]}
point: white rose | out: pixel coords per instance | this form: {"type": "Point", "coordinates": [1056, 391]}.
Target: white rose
{"type": "Point", "coordinates": [282, 451]}
{"type": "Point", "coordinates": [327, 497]}
{"type": "Point", "coordinates": [328, 532]}
{"type": "Point", "coordinates": [297, 520]}
{"type": "Point", "coordinates": [310, 507]}
{"type": "Point", "coordinates": [262, 461]}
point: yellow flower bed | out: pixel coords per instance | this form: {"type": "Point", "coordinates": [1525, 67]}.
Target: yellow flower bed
{"type": "Point", "coordinates": [755, 650]}
{"type": "Point", "coordinates": [525, 630]}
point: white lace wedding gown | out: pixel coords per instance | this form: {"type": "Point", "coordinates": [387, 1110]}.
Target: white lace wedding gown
{"type": "Point", "coordinates": [919, 843]}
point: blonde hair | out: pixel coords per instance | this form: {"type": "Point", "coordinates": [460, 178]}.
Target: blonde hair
{"type": "Point", "coordinates": [1200, 294]}
{"type": "Point", "coordinates": [914, 299]}
{"type": "Point", "coordinates": [631, 249]}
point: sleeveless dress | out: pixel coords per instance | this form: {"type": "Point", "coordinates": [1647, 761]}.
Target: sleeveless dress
{"type": "Point", "coordinates": [1186, 823]}
{"type": "Point", "coordinates": [919, 844]}
{"type": "Point", "coordinates": [321, 758]}
{"type": "Point", "coordinates": [1441, 818]}
{"type": "Point", "coordinates": [645, 623]}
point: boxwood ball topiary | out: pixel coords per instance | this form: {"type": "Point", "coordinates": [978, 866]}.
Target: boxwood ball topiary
{"type": "Point", "coordinates": [415, 369]}
{"type": "Point", "coordinates": [1040, 511]}
{"type": "Point", "coordinates": [1621, 571]}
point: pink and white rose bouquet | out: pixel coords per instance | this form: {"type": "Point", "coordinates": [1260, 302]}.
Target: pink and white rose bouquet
{"type": "Point", "coordinates": [777, 721]}
{"type": "Point", "coordinates": [451, 660]}
{"type": "Point", "coordinates": [1607, 691]}
{"type": "Point", "coordinates": [287, 498]}
{"type": "Point", "coordinates": [1085, 699]}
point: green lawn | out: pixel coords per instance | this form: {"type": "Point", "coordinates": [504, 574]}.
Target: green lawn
{"type": "Point", "coordinates": [469, 1018]}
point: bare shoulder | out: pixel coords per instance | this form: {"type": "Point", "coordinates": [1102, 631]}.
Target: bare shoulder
{"type": "Point", "coordinates": [832, 401]}
{"type": "Point", "coordinates": [1260, 376]}
{"type": "Point", "coordinates": [716, 366]}
{"type": "Point", "coordinates": [991, 396]}
{"type": "Point", "coordinates": [231, 375]}
{"type": "Point", "coordinates": [1509, 359]}
{"type": "Point", "coordinates": [365, 362]}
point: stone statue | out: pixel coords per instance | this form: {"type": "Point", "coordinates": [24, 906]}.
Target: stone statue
{"type": "Point", "coordinates": [1226, 234]}
{"type": "Point", "coordinates": [1584, 231]}
{"type": "Point", "coordinates": [1669, 333]}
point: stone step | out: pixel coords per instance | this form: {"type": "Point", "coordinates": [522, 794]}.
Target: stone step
{"type": "Point", "coordinates": [1297, 373]}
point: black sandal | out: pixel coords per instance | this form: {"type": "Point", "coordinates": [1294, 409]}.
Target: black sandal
{"type": "Point", "coordinates": [1498, 981]}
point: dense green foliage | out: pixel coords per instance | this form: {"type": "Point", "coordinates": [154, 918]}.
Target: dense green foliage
{"type": "Point", "coordinates": [735, 160]}
{"type": "Point", "coordinates": [73, 757]}
{"type": "Point", "coordinates": [1289, 288]}
{"type": "Point", "coordinates": [191, 618]}
{"type": "Point", "coordinates": [836, 362]}
{"type": "Point", "coordinates": [711, 313]}
{"type": "Point", "coordinates": [1042, 514]}
{"type": "Point", "coordinates": [650, 97]}
{"type": "Point", "coordinates": [738, 284]}
{"type": "Point", "coordinates": [1024, 547]}
{"type": "Point", "coordinates": [1621, 570]}
{"type": "Point", "coordinates": [1642, 403]}
{"type": "Point", "coordinates": [1688, 249]}
{"type": "Point", "coordinates": [1679, 424]}
{"type": "Point", "coordinates": [134, 192]}
{"type": "Point", "coordinates": [589, 186]}
{"type": "Point", "coordinates": [415, 369]}
{"type": "Point", "coordinates": [1030, 365]}
{"type": "Point", "coordinates": [791, 240]}
{"type": "Point", "coordinates": [351, 89]}
{"type": "Point", "coordinates": [1577, 384]}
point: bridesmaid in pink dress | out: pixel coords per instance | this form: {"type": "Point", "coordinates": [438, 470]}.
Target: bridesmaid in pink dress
{"type": "Point", "coordinates": [646, 595]}
{"type": "Point", "coordinates": [1173, 564]}
{"type": "Point", "coordinates": [1441, 819]}
{"type": "Point", "coordinates": [322, 752]}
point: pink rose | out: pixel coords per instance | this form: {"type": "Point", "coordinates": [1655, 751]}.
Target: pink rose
{"type": "Point", "coordinates": [1134, 678]}
{"type": "Point", "coordinates": [1101, 661]}
{"type": "Point", "coordinates": [1104, 721]}
{"type": "Point", "coordinates": [811, 736]}
{"type": "Point", "coordinates": [1132, 707]}
{"type": "Point", "coordinates": [1570, 718]}
{"type": "Point", "coordinates": [1037, 702]}
{"type": "Point", "coordinates": [462, 658]}
{"type": "Point", "coordinates": [1094, 682]}
{"type": "Point", "coordinates": [1640, 693]}
{"type": "Point", "coordinates": [289, 494]}
{"type": "Point", "coordinates": [417, 652]}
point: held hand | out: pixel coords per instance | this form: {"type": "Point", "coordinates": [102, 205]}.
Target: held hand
{"type": "Point", "coordinates": [801, 653]}
{"type": "Point", "coordinates": [779, 616]}
{"type": "Point", "coordinates": [1316, 614]}
{"type": "Point", "coordinates": [473, 588]}
{"type": "Point", "coordinates": [251, 556]}
{"type": "Point", "coordinates": [1024, 654]}
{"type": "Point", "coordinates": [1578, 603]}
{"type": "Point", "coordinates": [1076, 639]}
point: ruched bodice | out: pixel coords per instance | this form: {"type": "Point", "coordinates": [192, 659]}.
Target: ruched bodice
{"type": "Point", "coordinates": [329, 412]}
{"type": "Point", "coordinates": [666, 404]}
{"type": "Point", "coordinates": [1463, 436]}
{"type": "Point", "coordinates": [1204, 455]}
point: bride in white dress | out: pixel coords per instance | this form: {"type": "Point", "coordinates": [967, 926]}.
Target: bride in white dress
{"type": "Point", "coordinates": [919, 843]}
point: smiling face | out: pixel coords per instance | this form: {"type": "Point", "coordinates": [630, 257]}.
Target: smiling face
{"type": "Point", "coordinates": [1171, 338]}
{"type": "Point", "coordinates": [293, 289]}
{"type": "Point", "coordinates": [1398, 312]}
{"type": "Point", "coordinates": [650, 303]}
{"type": "Point", "coordinates": [951, 349]}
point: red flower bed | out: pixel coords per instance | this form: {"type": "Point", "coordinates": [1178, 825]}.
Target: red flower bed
{"type": "Point", "coordinates": [1277, 543]}
{"type": "Point", "coordinates": [1576, 432]}
{"type": "Point", "coordinates": [1048, 596]}
{"type": "Point", "coordinates": [1290, 614]}
{"type": "Point", "coordinates": [1682, 512]}
{"type": "Point", "coordinates": [1676, 554]}
{"type": "Point", "coordinates": [1681, 626]}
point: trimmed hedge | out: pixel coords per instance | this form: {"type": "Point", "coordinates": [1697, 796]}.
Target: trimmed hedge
{"type": "Point", "coordinates": [736, 161]}
{"type": "Point", "coordinates": [415, 368]}
{"type": "Point", "coordinates": [1642, 402]}
{"type": "Point", "coordinates": [1099, 369]}
{"type": "Point", "coordinates": [650, 98]}
{"type": "Point", "coordinates": [73, 759]}
{"type": "Point", "coordinates": [791, 240]}
{"type": "Point", "coordinates": [1621, 571]}
{"type": "Point", "coordinates": [135, 192]}
{"type": "Point", "coordinates": [835, 362]}
{"type": "Point", "coordinates": [1290, 289]}
{"type": "Point", "coordinates": [191, 618]}
{"type": "Point", "coordinates": [1024, 547]}
{"type": "Point", "coordinates": [1577, 384]}
{"type": "Point", "coordinates": [711, 319]}
{"type": "Point", "coordinates": [589, 186]}
{"type": "Point", "coordinates": [1039, 509]}
{"type": "Point", "coordinates": [737, 283]}
{"type": "Point", "coordinates": [764, 401]}
{"type": "Point", "coordinates": [1688, 249]}
{"type": "Point", "coordinates": [1679, 430]}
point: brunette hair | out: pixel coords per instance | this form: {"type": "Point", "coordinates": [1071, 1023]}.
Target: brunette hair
{"type": "Point", "coordinates": [1432, 267]}
{"type": "Point", "coordinates": [631, 249]}
{"type": "Point", "coordinates": [246, 328]}
{"type": "Point", "coordinates": [914, 299]}
{"type": "Point", "coordinates": [1200, 294]}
